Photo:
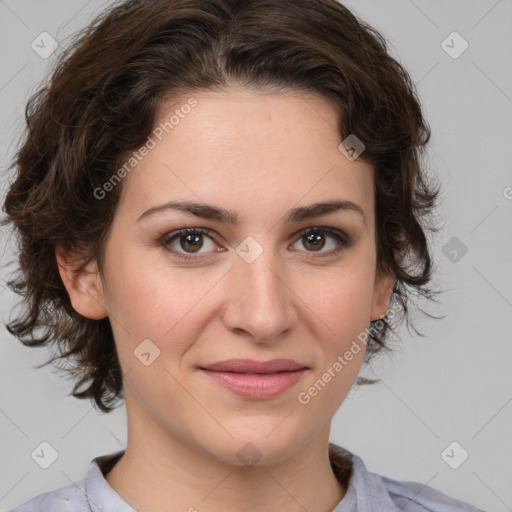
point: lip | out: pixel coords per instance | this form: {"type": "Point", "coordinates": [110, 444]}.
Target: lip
{"type": "Point", "coordinates": [254, 366]}
{"type": "Point", "coordinates": [255, 379]}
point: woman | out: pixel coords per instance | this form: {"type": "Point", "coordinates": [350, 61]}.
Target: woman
{"type": "Point", "coordinates": [219, 212]}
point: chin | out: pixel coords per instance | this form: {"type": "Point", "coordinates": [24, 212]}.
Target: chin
{"type": "Point", "coordinates": [250, 449]}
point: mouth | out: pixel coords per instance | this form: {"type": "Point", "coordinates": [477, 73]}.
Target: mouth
{"type": "Point", "coordinates": [256, 379]}
{"type": "Point", "coordinates": [254, 366]}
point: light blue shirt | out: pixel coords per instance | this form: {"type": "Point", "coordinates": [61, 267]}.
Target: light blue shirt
{"type": "Point", "coordinates": [366, 492]}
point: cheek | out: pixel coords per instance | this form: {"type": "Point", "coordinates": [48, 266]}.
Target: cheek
{"type": "Point", "coordinates": [152, 300]}
{"type": "Point", "coordinates": [342, 312]}
{"type": "Point", "coordinates": [340, 300]}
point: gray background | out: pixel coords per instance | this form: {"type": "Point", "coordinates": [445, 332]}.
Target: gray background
{"type": "Point", "coordinates": [453, 385]}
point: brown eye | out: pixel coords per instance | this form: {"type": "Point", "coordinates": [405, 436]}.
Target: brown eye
{"type": "Point", "coordinates": [191, 242]}
{"type": "Point", "coordinates": [316, 239]}
{"type": "Point", "coordinates": [186, 242]}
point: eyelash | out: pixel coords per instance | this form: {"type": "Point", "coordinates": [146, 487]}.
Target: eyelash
{"type": "Point", "coordinates": [343, 241]}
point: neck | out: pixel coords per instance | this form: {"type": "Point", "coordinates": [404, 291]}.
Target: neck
{"type": "Point", "coordinates": [154, 473]}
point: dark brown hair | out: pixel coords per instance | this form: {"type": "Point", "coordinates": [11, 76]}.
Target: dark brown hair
{"type": "Point", "coordinates": [101, 103]}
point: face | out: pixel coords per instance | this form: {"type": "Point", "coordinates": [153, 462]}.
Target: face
{"type": "Point", "coordinates": [272, 285]}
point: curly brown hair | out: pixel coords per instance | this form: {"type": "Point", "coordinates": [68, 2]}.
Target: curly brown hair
{"type": "Point", "coordinates": [101, 103]}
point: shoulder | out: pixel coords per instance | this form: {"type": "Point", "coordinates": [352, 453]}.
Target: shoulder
{"type": "Point", "coordinates": [70, 498]}
{"type": "Point", "coordinates": [370, 491]}
{"type": "Point", "coordinates": [78, 497]}
{"type": "Point", "coordinates": [417, 497]}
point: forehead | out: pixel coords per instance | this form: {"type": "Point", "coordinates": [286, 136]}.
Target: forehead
{"type": "Point", "coordinates": [247, 149]}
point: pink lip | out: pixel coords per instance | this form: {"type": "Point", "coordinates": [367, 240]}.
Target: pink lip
{"type": "Point", "coordinates": [255, 379]}
{"type": "Point", "coordinates": [254, 366]}
{"type": "Point", "coordinates": [256, 385]}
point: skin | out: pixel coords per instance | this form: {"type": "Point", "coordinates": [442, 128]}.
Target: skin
{"type": "Point", "coordinates": [259, 155]}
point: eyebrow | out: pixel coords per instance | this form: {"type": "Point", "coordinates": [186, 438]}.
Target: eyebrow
{"type": "Point", "coordinates": [298, 214]}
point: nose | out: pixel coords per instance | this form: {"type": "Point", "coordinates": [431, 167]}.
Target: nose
{"type": "Point", "coordinates": [260, 301]}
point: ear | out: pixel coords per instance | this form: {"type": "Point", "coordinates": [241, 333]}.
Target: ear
{"type": "Point", "coordinates": [84, 286]}
{"type": "Point", "coordinates": [383, 288]}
